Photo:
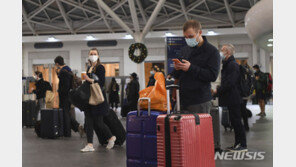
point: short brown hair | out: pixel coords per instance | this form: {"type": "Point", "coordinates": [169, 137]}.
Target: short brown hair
{"type": "Point", "coordinates": [192, 24]}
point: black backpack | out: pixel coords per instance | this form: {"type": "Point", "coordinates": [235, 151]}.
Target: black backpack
{"type": "Point", "coordinates": [245, 82]}
{"type": "Point", "coordinates": [76, 81]}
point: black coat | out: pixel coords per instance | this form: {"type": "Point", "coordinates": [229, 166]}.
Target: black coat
{"type": "Point", "coordinates": [195, 84]}
{"type": "Point", "coordinates": [228, 92]}
{"type": "Point", "coordinates": [101, 109]}
{"type": "Point", "coordinates": [151, 81]}
{"type": "Point", "coordinates": [133, 94]}
{"type": "Point", "coordinates": [65, 82]}
{"type": "Point", "coordinates": [113, 93]}
{"type": "Point", "coordinates": [41, 88]}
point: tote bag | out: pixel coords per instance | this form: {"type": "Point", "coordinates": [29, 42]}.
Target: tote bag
{"type": "Point", "coordinates": [96, 95]}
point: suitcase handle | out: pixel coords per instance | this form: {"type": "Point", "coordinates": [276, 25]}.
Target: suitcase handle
{"type": "Point", "coordinates": [149, 104]}
{"type": "Point", "coordinates": [170, 87]}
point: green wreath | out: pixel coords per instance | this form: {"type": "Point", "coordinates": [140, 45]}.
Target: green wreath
{"type": "Point", "coordinates": [140, 57]}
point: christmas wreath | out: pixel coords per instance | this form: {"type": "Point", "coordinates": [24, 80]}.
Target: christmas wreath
{"type": "Point", "coordinates": [137, 52]}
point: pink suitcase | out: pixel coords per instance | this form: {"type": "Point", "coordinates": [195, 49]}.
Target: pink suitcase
{"type": "Point", "coordinates": [185, 140]}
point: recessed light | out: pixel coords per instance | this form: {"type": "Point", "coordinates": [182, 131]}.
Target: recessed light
{"type": "Point", "coordinates": [270, 40]}
{"type": "Point", "coordinates": [169, 34]}
{"type": "Point", "coordinates": [128, 36]}
{"type": "Point", "coordinates": [51, 39]}
{"type": "Point", "coordinates": [269, 45]}
{"type": "Point", "coordinates": [90, 37]}
{"type": "Point", "coordinates": [211, 32]}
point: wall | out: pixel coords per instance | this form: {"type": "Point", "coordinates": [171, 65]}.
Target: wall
{"type": "Point", "coordinates": [75, 53]}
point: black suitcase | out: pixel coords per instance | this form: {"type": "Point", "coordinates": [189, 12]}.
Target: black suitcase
{"type": "Point", "coordinates": [125, 110]}
{"type": "Point", "coordinates": [29, 114]}
{"type": "Point", "coordinates": [52, 125]}
{"type": "Point", "coordinates": [116, 127]}
{"type": "Point", "coordinates": [216, 127]}
{"type": "Point", "coordinates": [225, 119]}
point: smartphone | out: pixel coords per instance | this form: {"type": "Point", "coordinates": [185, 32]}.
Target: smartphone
{"type": "Point", "coordinates": [176, 61]}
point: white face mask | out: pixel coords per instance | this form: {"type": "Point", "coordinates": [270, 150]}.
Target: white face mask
{"type": "Point", "coordinates": [222, 56]}
{"type": "Point", "coordinates": [93, 58]}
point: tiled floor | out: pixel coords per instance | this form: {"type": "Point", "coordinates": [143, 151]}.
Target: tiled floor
{"type": "Point", "coordinates": [65, 152]}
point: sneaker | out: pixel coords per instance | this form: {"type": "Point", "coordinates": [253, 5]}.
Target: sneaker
{"type": "Point", "coordinates": [81, 131]}
{"type": "Point", "coordinates": [239, 149]}
{"type": "Point", "coordinates": [231, 147]}
{"type": "Point", "coordinates": [88, 148]}
{"type": "Point", "coordinates": [260, 114]}
{"type": "Point", "coordinates": [111, 143]}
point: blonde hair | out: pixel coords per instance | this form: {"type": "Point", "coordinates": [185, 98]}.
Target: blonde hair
{"type": "Point", "coordinates": [230, 47]}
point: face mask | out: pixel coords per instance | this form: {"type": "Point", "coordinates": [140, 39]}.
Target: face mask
{"type": "Point", "coordinates": [93, 58]}
{"type": "Point", "coordinates": [151, 72]}
{"type": "Point", "coordinates": [191, 42]}
{"type": "Point", "coordinates": [222, 56]}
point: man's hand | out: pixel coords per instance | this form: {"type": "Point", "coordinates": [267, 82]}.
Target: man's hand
{"type": "Point", "coordinates": [182, 66]}
{"type": "Point", "coordinates": [257, 77]}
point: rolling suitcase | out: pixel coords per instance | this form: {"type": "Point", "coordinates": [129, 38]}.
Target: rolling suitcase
{"type": "Point", "coordinates": [52, 125]}
{"type": "Point", "coordinates": [225, 119]}
{"type": "Point", "coordinates": [141, 142]}
{"type": "Point", "coordinates": [185, 140]}
{"type": "Point", "coordinates": [29, 114]}
{"type": "Point", "coordinates": [116, 127]}
{"type": "Point", "coordinates": [216, 127]}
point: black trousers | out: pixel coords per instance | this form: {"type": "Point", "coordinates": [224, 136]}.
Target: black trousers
{"type": "Point", "coordinates": [235, 119]}
{"type": "Point", "coordinates": [244, 113]}
{"type": "Point", "coordinates": [69, 121]}
{"type": "Point", "coordinates": [92, 121]}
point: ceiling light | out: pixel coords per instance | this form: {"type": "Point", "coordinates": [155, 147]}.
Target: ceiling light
{"type": "Point", "coordinates": [270, 40]}
{"type": "Point", "coordinates": [269, 45]}
{"type": "Point", "coordinates": [169, 34]}
{"type": "Point", "coordinates": [128, 36]}
{"type": "Point", "coordinates": [51, 39]}
{"type": "Point", "coordinates": [90, 37]}
{"type": "Point", "coordinates": [211, 32]}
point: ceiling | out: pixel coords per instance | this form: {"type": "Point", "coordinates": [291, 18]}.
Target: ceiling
{"type": "Point", "coordinates": [51, 17]}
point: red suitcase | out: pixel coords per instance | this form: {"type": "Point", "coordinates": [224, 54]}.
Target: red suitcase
{"type": "Point", "coordinates": [185, 140]}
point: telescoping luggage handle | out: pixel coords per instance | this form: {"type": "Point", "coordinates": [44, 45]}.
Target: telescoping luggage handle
{"type": "Point", "coordinates": [170, 87]}
{"type": "Point", "coordinates": [149, 104]}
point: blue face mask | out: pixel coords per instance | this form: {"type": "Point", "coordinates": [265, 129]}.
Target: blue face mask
{"type": "Point", "coordinates": [222, 56]}
{"type": "Point", "coordinates": [191, 42]}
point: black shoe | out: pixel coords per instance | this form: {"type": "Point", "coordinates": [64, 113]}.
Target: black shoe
{"type": "Point", "coordinates": [231, 147]}
{"type": "Point", "coordinates": [239, 148]}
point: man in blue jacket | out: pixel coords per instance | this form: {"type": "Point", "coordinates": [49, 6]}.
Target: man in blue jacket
{"type": "Point", "coordinates": [230, 96]}
{"type": "Point", "coordinates": [199, 66]}
{"type": "Point", "coordinates": [65, 76]}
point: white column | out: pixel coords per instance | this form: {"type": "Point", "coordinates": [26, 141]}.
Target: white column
{"type": "Point", "coordinates": [141, 74]}
{"type": "Point", "coordinates": [267, 62]}
{"type": "Point", "coordinates": [255, 54]}
{"type": "Point", "coordinates": [263, 60]}
{"type": "Point", "coordinates": [129, 66]}
{"type": "Point", "coordinates": [75, 59]}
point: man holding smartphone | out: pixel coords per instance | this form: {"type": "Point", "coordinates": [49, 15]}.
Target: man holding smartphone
{"type": "Point", "coordinates": [199, 66]}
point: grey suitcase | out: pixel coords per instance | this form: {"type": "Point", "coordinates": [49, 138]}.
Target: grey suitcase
{"type": "Point", "coordinates": [216, 127]}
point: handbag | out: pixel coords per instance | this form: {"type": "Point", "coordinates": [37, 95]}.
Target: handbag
{"type": "Point", "coordinates": [49, 99]}
{"type": "Point", "coordinates": [96, 95]}
{"type": "Point", "coordinates": [79, 97]}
